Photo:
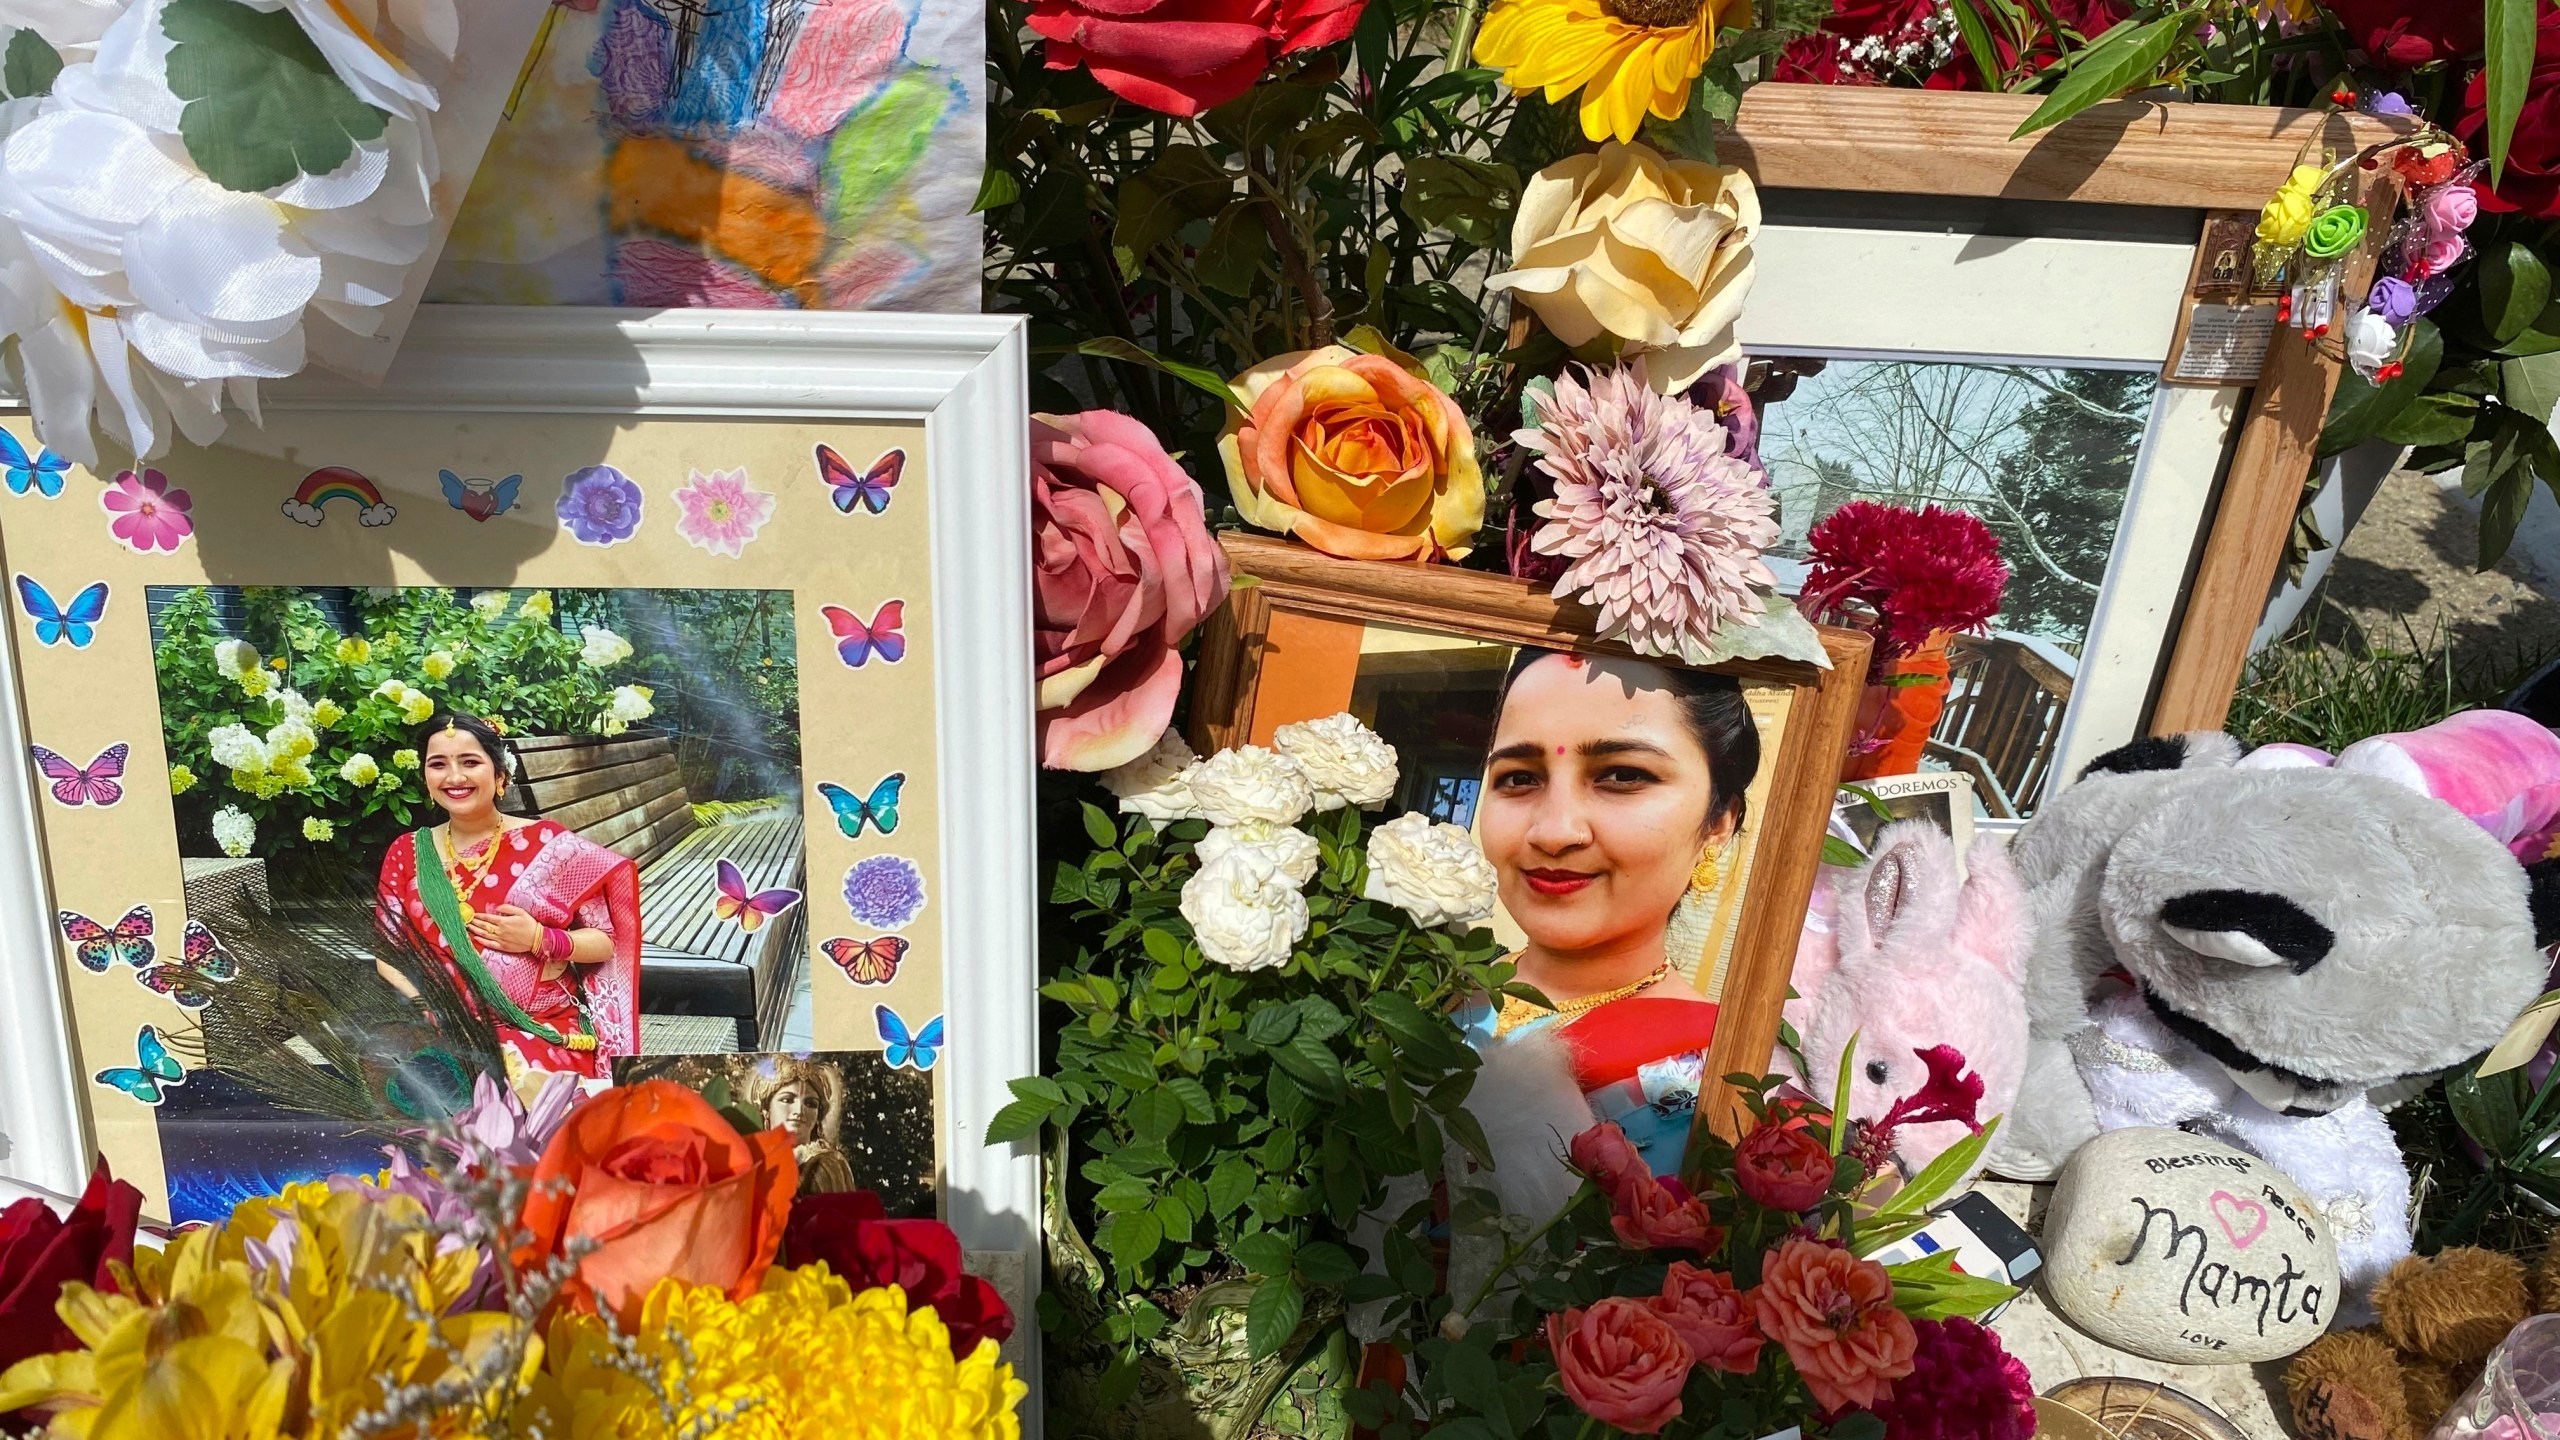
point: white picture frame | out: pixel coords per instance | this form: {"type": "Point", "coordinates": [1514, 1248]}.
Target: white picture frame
{"type": "Point", "coordinates": [964, 379]}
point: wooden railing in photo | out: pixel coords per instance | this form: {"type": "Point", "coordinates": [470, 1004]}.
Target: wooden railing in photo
{"type": "Point", "coordinates": [629, 795]}
{"type": "Point", "coordinates": [2004, 715]}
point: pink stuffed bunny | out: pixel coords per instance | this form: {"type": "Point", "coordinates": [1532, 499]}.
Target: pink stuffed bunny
{"type": "Point", "coordinates": [1903, 955]}
{"type": "Point", "coordinates": [2500, 768]}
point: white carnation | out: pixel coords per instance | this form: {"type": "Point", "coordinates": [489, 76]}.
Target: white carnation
{"type": "Point", "coordinates": [1158, 783]}
{"type": "Point", "coordinates": [1294, 853]}
{"type": "Point", "coordinates": [1243, 912]}
{"type": "Point", "coordinates": [235, 748]}
{"type": "Point", "coordinates": [601, 647]}
{"type": "Point", "coordinates": [1249, 783]}
{"type": "Point", "coordinates": [235, 658]}
{"type": "Point", "coordinates": [1345, 760]}
{"type": "Point", "coordinates": [234, 831]}
{"type": "Point", "coordinates": [1433, 873]}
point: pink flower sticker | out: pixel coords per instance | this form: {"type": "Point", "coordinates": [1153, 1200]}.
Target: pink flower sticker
{"type": "Point", "coordinates": [145, 514]}
{"type": "Point", "coordinates": [720, 513]}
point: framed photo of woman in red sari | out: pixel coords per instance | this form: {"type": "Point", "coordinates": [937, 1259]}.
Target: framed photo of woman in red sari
{"type": "Point", "coordinates": [1499, 701]}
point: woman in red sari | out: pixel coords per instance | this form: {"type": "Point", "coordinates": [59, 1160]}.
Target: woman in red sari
{"type": "Point", "coordinates": [540, 926]}
{"type": "Point", "coordinates": [1612, 790]}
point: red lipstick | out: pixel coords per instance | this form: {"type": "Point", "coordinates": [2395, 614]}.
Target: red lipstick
{"type": "Point", "coordinates": [1556, 882]}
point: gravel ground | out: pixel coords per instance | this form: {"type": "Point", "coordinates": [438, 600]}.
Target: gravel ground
{"type": "Point", "coordinates": [2411, 559]}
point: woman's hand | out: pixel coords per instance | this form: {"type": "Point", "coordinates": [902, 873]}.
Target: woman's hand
{"type": "Point", "coordinates": [506, 927]}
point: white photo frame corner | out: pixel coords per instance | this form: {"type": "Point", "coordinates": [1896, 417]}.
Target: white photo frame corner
{"type": "Point", "coordinates": [965, 378]}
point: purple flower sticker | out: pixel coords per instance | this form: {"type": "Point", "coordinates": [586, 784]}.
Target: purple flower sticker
{"type": "Point", "coordinates": [885, 892]}
{"type": "Point", "coordinates": [600, 505]}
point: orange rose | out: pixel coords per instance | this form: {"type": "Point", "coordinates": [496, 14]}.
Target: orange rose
{"type": "Point", "coordinates": [664, 1187]}
{"type": "Point", "coordinates": [1834, 1313]}
{"type": "Point", "coordinates": [1714, 1319]}
{"type": "Point", "coordinates": [1655, 1214]}
{"type": "Point", "coordinates": [1355, 454]}
{"type": "Point", "coordinates": [1620, 1363]}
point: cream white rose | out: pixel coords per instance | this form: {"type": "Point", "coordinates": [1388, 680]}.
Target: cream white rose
{"type": "Point", "coordinates": [1654, 252]}
{"type": "Point", "coordinates": [1158, 783]}
{"type": "Point", "coordinates": [1433, 873]}
{"type": "Point", "coordinates": [1244, 913]}
{"type": "Point", "coordinates": [1345, 761]}
{"type": "Point", "coordinates": [234, 747]}
{"type": "Point", "coordinates": [1249, 783]}
{"type": "Point", "coordinates": [1294, 853]}
{"type": "Point", "coordinates": [235, 658]}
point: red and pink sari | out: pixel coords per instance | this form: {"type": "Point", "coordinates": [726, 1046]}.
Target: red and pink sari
{"type": "Point", "coordinates": [562, 881]}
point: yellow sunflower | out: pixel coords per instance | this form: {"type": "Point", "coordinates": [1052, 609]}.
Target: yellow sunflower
{"type": "Point", "coordinates": [1625, 56]}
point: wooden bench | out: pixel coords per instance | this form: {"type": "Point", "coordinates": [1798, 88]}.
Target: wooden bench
{"type": "Point", "coordinates": [629, 795]}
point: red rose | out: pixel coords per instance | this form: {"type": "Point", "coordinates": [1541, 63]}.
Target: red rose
{"type": "Point", "coordinates": [1608, 1159]}
{"type": "Point", "coordinates": [1783, 1167]}
{"type": "Point", "coordinates": [852, 1235]}
{"type": "Point", "coordinates": [40, 1252]}
{"type": "Point", "coordinates": [1882, 42]}
{"type": "Point", "coordinates": [1714, 1319]}
{"type": "Point", "coordinates": [1185, 56]}
{"type": "Point", "coordinates": [1621, 1363]}
{"type": "Point", "coordinates": [2403, 36]}
{"type": "Point", "coordinates": [1661, 1215]}
{"type": "Point", "coordinates": [2532, 182]}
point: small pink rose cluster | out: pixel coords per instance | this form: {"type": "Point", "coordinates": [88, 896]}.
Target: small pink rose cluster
{"type": "Point", "coordinates": [2444, 201]}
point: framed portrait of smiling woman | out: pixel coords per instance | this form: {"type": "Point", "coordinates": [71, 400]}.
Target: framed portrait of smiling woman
{"type": "Point", "coordinates": [1643, 816]}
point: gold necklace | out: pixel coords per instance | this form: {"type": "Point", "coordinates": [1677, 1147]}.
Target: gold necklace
{"type": "Point", "coordinates": [467, 874]}
{"type": "Point", "coordinates": [1517, 1012]}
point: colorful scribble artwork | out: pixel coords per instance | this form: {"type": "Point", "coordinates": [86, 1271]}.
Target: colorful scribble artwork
{"type": "Point", "coordinates": [819, 154]}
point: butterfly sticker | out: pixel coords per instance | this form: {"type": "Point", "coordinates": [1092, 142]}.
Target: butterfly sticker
{"type": "Point", "coordinates": [866, 488]}
{"type": "Point", "coordinates": [867, 962]}
{"type": "Point", "coordinates": [55, 623]}
{"type": "Point", "coordinates": [153, 1068]}
{"type": "Point", "coordinates": [75, 786]}
{"type": "Point", "coordinates": [185, 981]}
{"type": "Point", "coordinates": [750, 911]}
{"type": "Point", "coordinates": [482, 500]}
{"type": "Point", "coordinates": [915, 1051]}
{"type": "Point", "coordinates": [852, 811]}
{"type": "Point", "coordinates": [42, 474]}
{"type": "Point", "coordinates": [99, 948]}
{"type": "Point", "coordinates": [205, 955]}
{"type": "Point", "coordinates": [857, 642]}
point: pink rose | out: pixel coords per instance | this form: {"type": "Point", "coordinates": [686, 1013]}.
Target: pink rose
{"type": "Point", "coordinates": [1713, 1318]}
{"type": "Point", "coordinates": [2442, 255]}
{"type": "Point", "coordinates": [2448, 210]}
{"type": "Point", "coordinates": [1662, 1215]}
{"type": "Point", "coordinates": [1783, 1167]}
{"type": "Point", "coordinates": [1124, 568]}
{"type": "Point", "coordinates": [1610, 1160]}
{"type": "Point", "coordinates": [1621, 1363]}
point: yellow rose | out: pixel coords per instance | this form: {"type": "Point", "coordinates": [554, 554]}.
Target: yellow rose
{"type": "Point", "coordinates": [438, 664]}
{"type": "Point", "coordinates": [2288, 213]}
{"type": "Point", "coordinates": [1655, 253]}
{"type": "Point", "coordinates": [1354, 454]}
{"type": "Point", "coordinates": [354, 650]}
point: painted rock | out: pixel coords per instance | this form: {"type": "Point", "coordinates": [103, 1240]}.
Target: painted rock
{"type": "Point", "coordinates": [2186, 1251]}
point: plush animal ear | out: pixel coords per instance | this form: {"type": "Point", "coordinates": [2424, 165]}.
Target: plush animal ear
{"type": "Point", "coordinates": [2195, 750]}
{"type": "Point", "coordinates": [2542, 894]}
{"type": "Point", "coordinates": [2247, 927]}
{"type": "Point", "coordinates": [1912, 881]}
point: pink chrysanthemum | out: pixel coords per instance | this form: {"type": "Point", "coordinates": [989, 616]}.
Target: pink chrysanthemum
{"type": "Point", "coordinates": [1663, 530]}
{"type": "Point", "coordinates": [1962, 1386]}
{"type": "Point", "coordinates": [1922, 571]}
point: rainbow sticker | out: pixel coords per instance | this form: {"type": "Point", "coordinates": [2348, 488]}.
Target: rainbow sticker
{"type": "Point", "coordinates": [337, 482]}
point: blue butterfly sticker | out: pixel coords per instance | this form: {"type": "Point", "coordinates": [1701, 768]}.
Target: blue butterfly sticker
{"type": "Point", "coordinates": [853, 811]}
{"type": "Point", "coordinates": [915, 1051]}
{"type": "Point", "coordinates": [42, 473]}
{"type": "Point", "coordinates": [482, 500]}
{"type": "Point", "coordinates": [55, 622]}
{"type": "Point", "coordinates": [153, 1068]}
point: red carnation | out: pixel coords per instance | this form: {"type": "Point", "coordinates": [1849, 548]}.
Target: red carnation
{"type": "Point", "coordinates": [1185, 56]}
{"type": "Point", "coordinates": [40, 1252]}
{"type": "Point", "coordinates": [2532, 182]}
{"type": "Point", "coordinates": [853, 1236]}
{"type": "Point", "coordinates": [1922, 572]}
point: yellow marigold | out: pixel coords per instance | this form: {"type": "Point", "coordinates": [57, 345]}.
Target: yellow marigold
{"type": "Point", "coordinates": [806, 1356]}
{"type": "Point", "coordinates": [1627, 57]}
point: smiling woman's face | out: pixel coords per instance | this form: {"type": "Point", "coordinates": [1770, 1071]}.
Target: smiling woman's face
{"type": "Point", "coordinates": [1593, 801]}
{"type": "Point", "coordinates": [460, 775]}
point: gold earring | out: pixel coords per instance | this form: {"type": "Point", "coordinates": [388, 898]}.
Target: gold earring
{"type": "Point", "coordinates": [1709, 869]}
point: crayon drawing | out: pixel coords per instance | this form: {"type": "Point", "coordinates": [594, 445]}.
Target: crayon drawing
{"type": "Point", "coordinates": [819, 154]}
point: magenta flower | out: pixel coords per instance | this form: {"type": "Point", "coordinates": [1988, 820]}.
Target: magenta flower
{"type": "Point", "coordinates": [145, 513]}
{"type": "Point", "coordinates": [1663, 528]}
{"type": "Point", "coordinates": [1951, 1093]}
{"type": "Point", "coordinates": [1962, 1386]}
{"type": "Point", "coordinates": [720, 513]}
{"type": "Point", "coordinates": [1921, 571]}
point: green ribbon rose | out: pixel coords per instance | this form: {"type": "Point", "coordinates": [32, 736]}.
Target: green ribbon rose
{"type": "Point", "coordinates": [2334, 232]}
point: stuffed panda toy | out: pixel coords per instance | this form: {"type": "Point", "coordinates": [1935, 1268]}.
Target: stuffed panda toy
{"type": "Point", "coordinates": [2245, 950]}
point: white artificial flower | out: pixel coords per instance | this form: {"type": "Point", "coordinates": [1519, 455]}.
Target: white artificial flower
{"type": "Point", "coordinates": [1433, 873]}
{"type": "Point", "coordinates": [1158, 783]}
{"type": "Point", "coordinates": [2371, 342]}
{"type": "Point", "coordinates": [1244, 913]}
{"type": "Point", "coordinates": [1248, 783]}
{"type": "Point", "coordinates": [235, 658]}
{"type": "Point", "coordinates": [234, 747]}
{"type": "Point", "coordinates": [631, 703]}
{"type": "Point", "coordinates": [1293, 852]}
{"type": "Point", "coordinates": [601, 647]}
{"type": "Point", "coordinates": [66, 25]}
{"type": "Point", "coordinates": [360, 769]}
{"type": "Point", "coordinates": [234, 831]}
{"type": "Point", "coordinates": [1345, 760]}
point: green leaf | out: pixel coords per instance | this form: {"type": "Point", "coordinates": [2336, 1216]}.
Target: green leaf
{"type": "Point", "coordinates": [1324, 1263]}
{"type": "Point", "coordinates": [996, 189]}
{"type": "Point", "coordinates": [1467, 1374]}
{"type": "Point", "coordinates": [1124, 1194]}
{"type": "Point", "coordinates": [1229, 1184]}
{"type": "Point", "coordinates": [1161, 947]}
{"type": "Point", "coordinates": [2488, 1109]}
{"type": "Point", "coordinates": [1271, 1025]}
{"type": "Point", "coordinates": [1312, 1062]}
{"type": "Point", "coordinates": [2125, 57]}
{"type": "Point", "coordinates": [1016, 1120]}
{"type": "Point", "coordinates": [1155, 1115]}
{"type": "Point", "coordinates": [1836, 851]}
{"type": "Point", "coordinates": [2508, 71]}
{"type": "Point", "coordinates": [1977, 43]}
{"type": "Point", "coordinates": [1194, 1097]}
{"type": "Point", "coordinates": [2361, 408]}
{"type": "Point", "coordinates": [1098, 827]}
{"type": "Point", "coordinates": [1471, 199]}
{"type": "Point", "coordinates": [1129, 1072]}
{"type": "Point", "coordinates": [1928, 1187]}
{"type": "Point", "coordinates": [1112, 347]}
{"type": "Point", "coordinates": [1184, 184]}
{"type": "Point", "coordinates": [1862, 1425]}
{"type": "Point", "coordinates": [1230, 260]}
{"type": "Point", "coordinates": [1132, 1237]}
{"type": "Point", "coordinates": [2502, 508]}
{"type": "Point", "coordinates": [1265, 1253]}
{"type": "Point", "coordinates": [261, 105]}
{"type": "Point", "coordinates": [2434, 420]}
{"type": "Point", "coordinates": [29, 67]}
{"type": "Point", "coordinates": [2531, 384]}
{"type": "Point", "coordinates": [1271, 1317]}
{"type": "Point", "coordinates": [2515, 288]}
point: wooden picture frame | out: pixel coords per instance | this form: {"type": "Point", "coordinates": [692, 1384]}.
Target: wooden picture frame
{"type": "Point", "coordinates": [1292, 605]}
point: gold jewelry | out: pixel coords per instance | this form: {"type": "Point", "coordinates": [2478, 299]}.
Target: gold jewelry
{"type": "Point", "coordinates": [1709, 869]}
{"type": "Point", "coordinates": [1517, 1012]}
{"type": "Point", "coordinates": [467, 875]}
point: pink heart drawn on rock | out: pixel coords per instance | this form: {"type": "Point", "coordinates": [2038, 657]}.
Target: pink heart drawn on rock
{"type": "Point", "coordinates": [2243, 1220]}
